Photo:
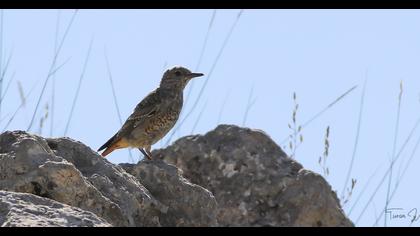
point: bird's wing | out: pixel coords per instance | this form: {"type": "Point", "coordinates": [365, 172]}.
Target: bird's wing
{"type": "Point", "coordinates": [146, 108]}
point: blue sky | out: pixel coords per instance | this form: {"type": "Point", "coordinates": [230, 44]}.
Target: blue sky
{"type": "Point", "coordinates": [319, 54]}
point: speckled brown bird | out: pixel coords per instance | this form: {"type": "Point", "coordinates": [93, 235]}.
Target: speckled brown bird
{"type": "Point", "coordinates": [154, 116]}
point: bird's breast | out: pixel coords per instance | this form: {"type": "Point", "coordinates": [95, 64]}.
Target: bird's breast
{"type": "Point", "coordinates": [160, 125]}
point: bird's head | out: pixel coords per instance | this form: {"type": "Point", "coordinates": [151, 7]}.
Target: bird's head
{"type": "Point", "coordinates": [177, 77]}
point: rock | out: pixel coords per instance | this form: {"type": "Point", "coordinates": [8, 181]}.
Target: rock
{"type": "Point", "coordinates": [138, 207]}
{"type": "Point", "coordinates": [70, 172]}
{"type": "Point", "coordinates": [27, 164]}
{"type": "Point", "coordinates": [230, 176]}
{"type": "Point", "coordinates": [188, 204]}
{"type": "Point", "coordinates": [22, 209]}
{"type": "Point", "coordinates": [253, 180]}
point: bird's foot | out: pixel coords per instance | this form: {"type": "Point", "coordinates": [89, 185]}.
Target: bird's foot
{"type": "Point", "coordinates": [147, 154]}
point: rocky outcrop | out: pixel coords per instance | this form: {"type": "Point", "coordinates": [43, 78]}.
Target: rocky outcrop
{"type": "Point", "coordinates": [253, 180]}
{"type": "Point", "coordinates": [71, 173]}
{"type": "Point", "coordinates": [23, 209]}
{"type": "Point", "coordinates": [230, 176]}
{"type": "Point", "coordinates": [187, 204]}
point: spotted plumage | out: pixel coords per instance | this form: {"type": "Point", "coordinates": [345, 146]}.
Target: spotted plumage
{"type": "Point", "coordinates": [154, 116]}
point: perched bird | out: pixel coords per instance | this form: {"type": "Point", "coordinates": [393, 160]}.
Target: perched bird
{"type": "Point", "coordinates": [154, 116]}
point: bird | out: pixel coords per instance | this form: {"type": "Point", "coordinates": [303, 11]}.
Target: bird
{"type": "Point", "coordinates": [154, 116]}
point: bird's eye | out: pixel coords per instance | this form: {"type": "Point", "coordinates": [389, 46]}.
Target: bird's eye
{"type": "Point", "coordinates": [177, 73]}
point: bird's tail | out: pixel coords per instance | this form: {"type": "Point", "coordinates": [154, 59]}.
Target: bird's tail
{"type": "Point", "coordinates": [108, 151]}
{"type": "Point", "coordinates": [112, 144]}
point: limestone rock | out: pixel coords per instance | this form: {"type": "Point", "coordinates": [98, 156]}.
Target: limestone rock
{"type": "Point", "coordinates": [188, 204]}
{"type": "Point", "coordinates": [28, 210]}
{"type": "Point", "coordinates": [253, 180]}
{"type": "Point", "coordinates": [71, 173]}
{"type": "Point", "coordinates": [230, 176]}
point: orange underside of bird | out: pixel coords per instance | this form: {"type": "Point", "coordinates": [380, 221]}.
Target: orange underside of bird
{"type": "Point", "coordinates": [121, 143]}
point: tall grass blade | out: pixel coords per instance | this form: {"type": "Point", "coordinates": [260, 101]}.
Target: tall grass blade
{"type": "Point", "coordinates": [57, 30]}
{"type": "Point", "coordinates": [51, 69]}
{"type": "Point", "coordinates": [223, 106]}
{"type": "Point", "coordinates": [114, 96]}
{"type": "Point", "coordinates": [164, 66]}
{"type": "Point", "coordinates": [21, 93]}
{"type": "Point", "coordinates": [2, 77]}
{"type": "Point", "coordinates": [22, 104]}
{"type": "Point", "coordinates": [78, 86]}
{"type": "Point", "coordinates": [248, 105]}
{"type": "Point", "coordinates": [24, 98]}
{"type": "Point", "coordinates": [362, 192]}
{"type": "Point", "coordinates": [356, 142]}
{"type": "Point", "coordinates": [226, 40]}
{"type": "Point", "coordinates": [393, 150]}
{"type": "Point", "coordinates": [313, 118]}
{"type": "Point", "coordinates": [117, 107]}
{"type": "Point", "coordinates": [8, 86]}
{"type": "Point", "coordinates": [200, 58]}
{"type": "Point", "coordinates": [1, 52]}
{"type": "Point", "coordinates": [4, 70]}
{"type": "Point", "coordinates": [388, 170]}
{"type": "Point", "coordinates": [401, 177]}
{"type": "Point", "coordinates": [198, 118]}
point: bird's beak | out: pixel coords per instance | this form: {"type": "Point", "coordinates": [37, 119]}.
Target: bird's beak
{"type": "Point", "coordinates": [193, 75]}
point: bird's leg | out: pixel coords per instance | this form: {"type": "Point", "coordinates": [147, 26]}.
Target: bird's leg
{"type": "Point", "coordinates": [145, 153]}
{"type": "Point", "coordinates": [148, 148]}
